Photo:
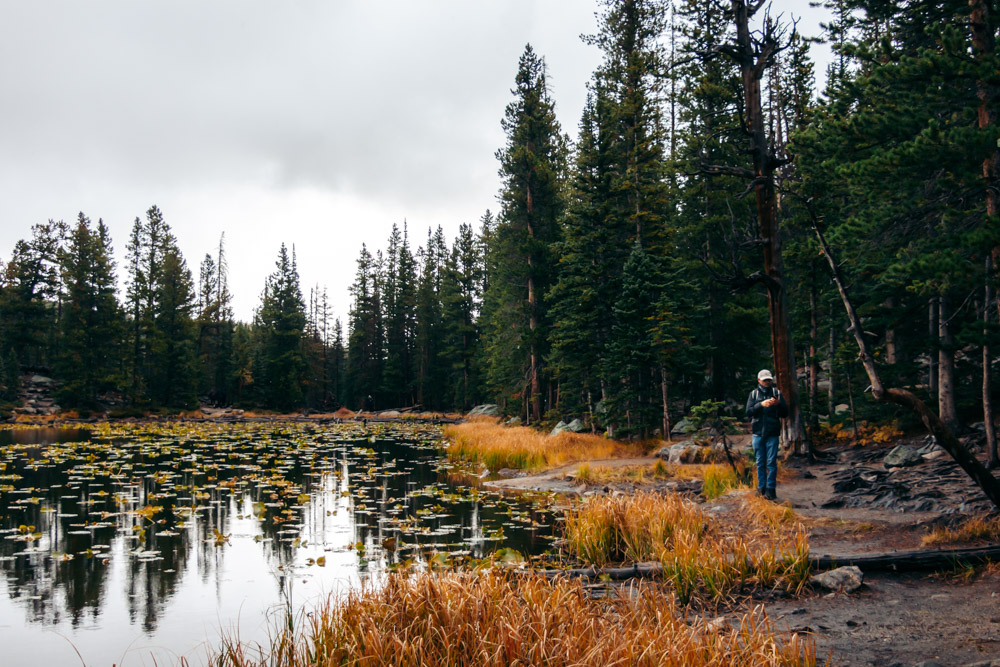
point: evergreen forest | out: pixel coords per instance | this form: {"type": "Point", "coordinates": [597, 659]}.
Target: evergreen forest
{"type": "Point", "coordinates": [655, 256]}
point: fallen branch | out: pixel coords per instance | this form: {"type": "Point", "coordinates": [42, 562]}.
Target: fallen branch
{"type": "Point", "coordinates": [892, 561]}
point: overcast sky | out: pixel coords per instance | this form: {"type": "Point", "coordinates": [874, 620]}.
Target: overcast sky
{"type": "Point", "coordinates": [317, 123]}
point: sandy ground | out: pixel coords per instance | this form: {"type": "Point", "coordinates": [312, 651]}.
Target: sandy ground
{"type": "Point", "coordinates": [944, 618]}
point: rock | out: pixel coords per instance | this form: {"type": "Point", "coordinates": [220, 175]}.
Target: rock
{"type": "Point", "coordinates": [486, 409]}
{"type": "Point", "coordinates": [682, 452]}
{"type": "Point", "coordinates": [844, 579]}
{"type": "Point", "coordinates": [928, 663]}
{"type": "Point", "coordinates": [507, 473]}
{"type": "Point", "coordinates": [902, 456]}
{"type": "Point", "coordinates": [841, 408]}
{"type": "Point", "coordinates": [513, 421]}
{"type": "Point", "coordinates": [574, 426]}
{"type": "Point", "coordinates": [682, 427]}
{"type": "Point", "coordinates": [390, 413]}
{"type": "Point", "coordinates": [40, 379]}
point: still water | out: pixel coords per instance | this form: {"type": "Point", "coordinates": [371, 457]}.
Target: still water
{"type": "Point", "coordinates": [142, 545]}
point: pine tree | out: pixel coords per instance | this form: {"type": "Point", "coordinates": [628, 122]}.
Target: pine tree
{"type": "Point", "coordinates": [532, 165]}
{"type": "Point", "coordinates": [281, 321]}
{"type": "Point", "coordinates": [91, 320]}
{"type": "Point", "coordinates": [364, 349]}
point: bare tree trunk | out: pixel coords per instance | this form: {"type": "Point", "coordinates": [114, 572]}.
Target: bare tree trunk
{"type": "Point", "coordinates": [752, 63]}
{"type": "Point", "coordinates": [534, 370]}
{"type": "Point", "coordinates": [991, 436]}
{"type": "Point", "coordinates": [946, 365]}
{"type": "Point", "coordinates": [945, 436]}
{"type": "Point", "coordinates": [666, 404]}
{"type": "Point", "coordinates": [831, 404]}
{"type": "Point", "coordinates": [891, 353]}
{"type": "Point", "coordinates": [813, 362]}
{"type": "Point", "coordinates": [932, 331]}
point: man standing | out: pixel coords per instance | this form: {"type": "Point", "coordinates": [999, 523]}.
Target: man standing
{"type": "Point", "coordinates": [766, 408]}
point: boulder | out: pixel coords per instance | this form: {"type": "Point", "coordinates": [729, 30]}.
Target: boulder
{"type": "Point", "coordinates": [40, 379]}
{"type": "Point", "coordinates": [841, 408]}
{"type": "Point", "coordinates": [902, 456]}
{"type": "Point", "coordinates": [682, 452]}
{"type": "Point", "coordinates": [843, 579]}
{"type": "Point", "coordinates": [682, 427]}
{"type": "Point", "coordinates": [513, 421]}
{"type": "Point", "coordinates": [486, 409]}
{"type": "Point", "coordinates": [390, 414]}
{"type": "Point", "coordinates": [574, 426]}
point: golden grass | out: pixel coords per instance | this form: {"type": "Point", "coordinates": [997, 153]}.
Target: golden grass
{"type": "Point", "coordinates": [764, 546]}
{"type": "Point", "coordinates": [523, 448]}
{"type": "Point", "coordinates": [497, 619]}
{"type": "Point", "coordinates": [970, 531]}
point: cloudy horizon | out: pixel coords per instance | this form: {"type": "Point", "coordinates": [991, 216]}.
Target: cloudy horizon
{"type": "Point", "coordinates": [314, 124]}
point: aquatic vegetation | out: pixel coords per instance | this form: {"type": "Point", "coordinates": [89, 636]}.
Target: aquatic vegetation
{"type": "Point", "coordinates": [323, 503]}
{"type": "Point", "coordinates": [701, 555]}
{"type": "Point", "coordinates": [523, 448]}
{"type": "Point", "coordinates": [501, 618]}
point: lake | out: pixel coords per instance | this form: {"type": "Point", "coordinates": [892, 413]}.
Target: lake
{"type": "Point", "coordinates": [143, 544]}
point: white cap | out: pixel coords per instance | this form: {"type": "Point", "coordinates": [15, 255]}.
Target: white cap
{"type": "Point", "coordinates": [764, 375]}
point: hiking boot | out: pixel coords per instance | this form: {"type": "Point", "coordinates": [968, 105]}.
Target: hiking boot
{"type": "Point", "coordinates": [770, 494]}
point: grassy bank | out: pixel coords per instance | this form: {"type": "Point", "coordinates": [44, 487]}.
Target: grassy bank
{"type": "Point", "coordinates": [498, 618]}
{"type": "Point", "coordinates": [523, 448]}
{"type": "Point", "coordinates": [763, 546]}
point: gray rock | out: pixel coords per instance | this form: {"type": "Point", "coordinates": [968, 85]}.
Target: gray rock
{"type": "Point", "coordinates": [841, 408]}
{"type": "Point", "coordinates": [559, 428]}
{"type": "Point", "coordinates": [513, 421]}
{"type": "Point", "coordinates": [682, 427]}
{"type": "Point", "coordinates": [40, 379]}
{"type": "Point", "coordinates": [845, 579]}
{"type": "Point", "coordinates": [685, 452]}
{"type": "Point", "coordinates": [902, 456]}
{"type": "Point", "coordinates": [486, 409]}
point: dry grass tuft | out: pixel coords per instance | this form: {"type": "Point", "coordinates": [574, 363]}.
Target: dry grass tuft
{"type": "Point", "coordinates": [701, 556]}
{"type": "Point", "coordinates": [970, 531]}
{"type": "Point", "coordinates": [496, 618]}
{"type": "Point", "coordinates": [523, 448]}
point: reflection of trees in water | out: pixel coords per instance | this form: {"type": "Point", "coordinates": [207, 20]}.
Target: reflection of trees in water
{"type": "Point", "coordinates": [151, 511]}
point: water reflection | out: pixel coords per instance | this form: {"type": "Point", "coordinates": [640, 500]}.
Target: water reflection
{"type": "Point", "coordinates": [139, 524]}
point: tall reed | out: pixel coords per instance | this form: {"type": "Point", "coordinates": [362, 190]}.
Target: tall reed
{"type": "Point", "coordinates": [495, 618]}
{"type": "Point", "coordinates": [701, 556]}
{"type": "Point", "coordinates": [524, 448]}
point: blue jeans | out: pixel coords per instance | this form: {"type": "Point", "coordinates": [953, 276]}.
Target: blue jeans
{"type": "Point", "coordinates": [765, 450]}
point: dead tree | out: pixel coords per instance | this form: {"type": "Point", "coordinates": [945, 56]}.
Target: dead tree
{"type": "Point", "coordinates": [945, 436]}
{"type": "Point", "coordinates": [754, 52]}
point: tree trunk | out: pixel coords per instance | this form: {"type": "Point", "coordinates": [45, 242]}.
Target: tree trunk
{"type": "Point", "coordinates": [752, 65]}
{"type": "Point", "coordinates": [946, 365]}
{"type": "Point", "coordinates": [891, 352]}
{"type": "Point", "coordinates": [831, 404]}
{"type": "Point", "coordinates": [666, 404]}
{"type": "Point", "coordinates": [991, 436]}
{"type": "Point", "coordinates": [945, 436]}
{"type": "Point", "coordinates": [932, 331]}
{"type": "Point", "coordinates": [534, 369]}
{"type": "Point", "coordinates": [813, 362]}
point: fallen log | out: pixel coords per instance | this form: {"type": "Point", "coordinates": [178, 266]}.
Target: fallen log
{"type": "Point", "coordinates": [892, 561]}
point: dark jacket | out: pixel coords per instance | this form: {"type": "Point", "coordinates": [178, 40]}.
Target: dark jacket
{"type": "Point", "coordinates": [766, 422]}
